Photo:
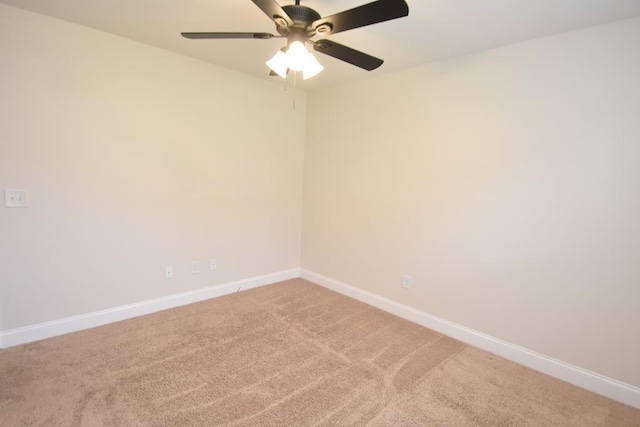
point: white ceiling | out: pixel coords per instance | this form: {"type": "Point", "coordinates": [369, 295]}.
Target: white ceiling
{"type": "Point", "coordinates": [434, 29]}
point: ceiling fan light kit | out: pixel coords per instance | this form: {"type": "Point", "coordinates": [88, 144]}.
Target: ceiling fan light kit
{"type": "Point", "coordinates": [299, 24]}
{"type": "Point", "coordinates": [297, 58]}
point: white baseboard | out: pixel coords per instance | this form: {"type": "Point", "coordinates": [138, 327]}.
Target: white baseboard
{"type": "Point", "coordinates": [592, 381]}
{"type": "Point", "coordinates": [90, 320]}
{"type": "Point", "coordinates": [583, 378]}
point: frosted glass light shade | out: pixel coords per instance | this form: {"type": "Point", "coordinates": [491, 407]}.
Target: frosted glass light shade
{"type": "Point", "coordinates": [297, 56]}
{"type": "Point", "coordinates": [312, 67]}
{"type": "Point", "coordinates": [279, 64]}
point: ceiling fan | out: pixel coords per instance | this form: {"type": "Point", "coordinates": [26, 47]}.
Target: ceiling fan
{"type": "Point", "coordinates": [298, 24]}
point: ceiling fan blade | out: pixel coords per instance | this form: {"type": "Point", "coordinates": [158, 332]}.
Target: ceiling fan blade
{"type": "Point", "coordinates": [371, 13]}
{"type": "Point", "coordinates": [347, 54]}
{"type": "Point", "coordinates": [227, 35]}
{"type": "Point", "coordinates": [273, 10]}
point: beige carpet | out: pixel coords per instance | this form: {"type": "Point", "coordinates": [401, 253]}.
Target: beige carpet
{"type": "Point", "coordinates": [289, 354]}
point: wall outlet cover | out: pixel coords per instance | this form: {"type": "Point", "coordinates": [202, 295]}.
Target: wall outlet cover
{"type": "Point", "coordinates": [406, 282]}
{"type": "Point", "coordinates": [16, 198]}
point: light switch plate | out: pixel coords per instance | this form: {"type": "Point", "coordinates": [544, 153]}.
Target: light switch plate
{"type": "Point", "coordinates": [16, 198]}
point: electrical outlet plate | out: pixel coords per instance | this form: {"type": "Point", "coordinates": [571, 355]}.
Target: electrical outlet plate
{"type": "Point", "coordinates": [168, 272]}
{"type": "Point", "coordinates": [195, 267]}
{"type": "Point", "coordinates": [406, 282]}
{"type": "Point", "coordinates": [16, 198]}
{"type": "Point", "coordinates": [214, 264]}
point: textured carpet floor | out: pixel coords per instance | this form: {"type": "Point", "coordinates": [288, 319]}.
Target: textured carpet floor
{"type": "Point", "coordinates": [289, 354]}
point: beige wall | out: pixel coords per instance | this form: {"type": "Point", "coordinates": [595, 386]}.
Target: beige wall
{"type": "Point", "coordinates": [507, 183]}
{"type": "Point", "coordinates": [136, 158]}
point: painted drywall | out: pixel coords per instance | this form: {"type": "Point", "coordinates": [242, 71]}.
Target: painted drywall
{"type": "Point", "coordinates": [506, 183]}
{"type": "Point", "coordinates": [136, 158]}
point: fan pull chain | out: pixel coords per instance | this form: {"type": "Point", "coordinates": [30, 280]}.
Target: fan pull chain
{"type": "Point", "coordinates": [295, 79]}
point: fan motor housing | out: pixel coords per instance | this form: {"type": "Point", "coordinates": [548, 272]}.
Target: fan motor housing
{"type": "Point", "coordinates": [302, 18]}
